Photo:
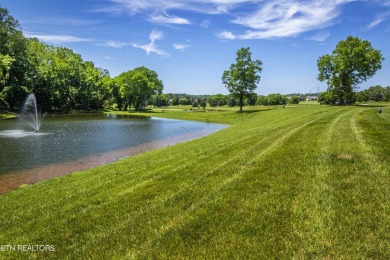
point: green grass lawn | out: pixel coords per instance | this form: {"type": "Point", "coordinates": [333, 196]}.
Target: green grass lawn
{"type": "Point", "coordinates": [306, 181]}
{"type": "Point", "coordinates": [7, 115]}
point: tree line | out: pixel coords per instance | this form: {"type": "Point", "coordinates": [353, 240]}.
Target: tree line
{"type": "Point", "coordinates": [220, 100]}
{"type": "Point", "coordinates": [60, 79]}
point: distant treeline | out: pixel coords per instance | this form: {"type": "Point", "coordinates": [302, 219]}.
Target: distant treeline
{"type": "Point", "coordinates": [222, 100]}
{"type": "Point", "coordinates": [374, 93]}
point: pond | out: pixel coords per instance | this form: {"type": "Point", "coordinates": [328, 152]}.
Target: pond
{"type": "Point", "coordinates": [72, 141]}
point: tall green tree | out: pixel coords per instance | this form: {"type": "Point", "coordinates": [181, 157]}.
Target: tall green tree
{"type": "Point", "coordinates": [351, 63]}
{"type": "Point", "coordinates": [243, 76]}
{"type": "Point", "coordinates": [12, 46]}
{"type": "Point", "coordinates": [136, 86]}
{"type": "Point", "coordinates": [146, 84]}
{"type": "Point", "coordinates": [94, 87]}
{"type": "Point", "coordinates": [40, 75]}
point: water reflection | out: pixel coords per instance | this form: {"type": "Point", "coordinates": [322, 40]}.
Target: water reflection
{"type": "Point", "coordinates": [67, 138]}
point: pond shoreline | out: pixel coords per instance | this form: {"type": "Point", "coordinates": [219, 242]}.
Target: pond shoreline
{"type": "Point", "coordinates": [13, 180]}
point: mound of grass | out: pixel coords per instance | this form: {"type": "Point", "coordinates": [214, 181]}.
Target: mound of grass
{"type": "Point", "coordinates": [300, 182]}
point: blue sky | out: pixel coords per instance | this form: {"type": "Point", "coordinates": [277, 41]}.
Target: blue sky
{"type": "Point", "coordinates": [189, 43]}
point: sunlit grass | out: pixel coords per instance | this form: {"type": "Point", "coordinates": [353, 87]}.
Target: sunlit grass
{"type": "Point", "coordinates": [296, 182]}
{"type": "Point", "coordinates": [7, 115]}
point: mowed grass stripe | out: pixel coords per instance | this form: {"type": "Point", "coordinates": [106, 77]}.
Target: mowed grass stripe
{"type": "Point", "coordinates": [314, 206]}
{"type": "Point", "coordinates": [260, 158]}
{"type": "Point", "coordinates": [160, 201]}
{"type": "Point", "coordinates": [351, 191]}
{"type": "Point", "coordinates": [244, 169]}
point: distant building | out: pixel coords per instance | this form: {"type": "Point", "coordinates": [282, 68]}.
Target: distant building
{"type": "Point", "coordinates": [309, 98]}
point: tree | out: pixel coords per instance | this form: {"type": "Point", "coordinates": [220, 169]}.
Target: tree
{"type": "Point", "coordinates": [203, 103]}
{"type": "Point", "coordinates": [145, 83]}
{"type": "Point", "coordinates": [14, 61]}
{"type": "Point", "coordinates": [243, 76]}
{"type": "Point", "coordinates": [351, 63]}
{"type": "Point", "coordinates": [251, 99]}
{"type": "Point", "coordinates": [5, 66]}
{"type": "Point", "coordinates": [374, 93]}
{"type": "Point", "coordinates": [232, 102]}
{"type": "Point", "coordinates": [294, 100]}
{"type": "Point", "coordinates": [262, 100]}
{"type": "Point", "coordinates": [184, 101]}
{"type": "Point", "coordinates": [276, 99]}
{"type": "Point", "coordinates": [217, 100]}
{"type": "Point", "coordinates": [136, 87]}
{"type": "Point", "coordinates": [175, 100]}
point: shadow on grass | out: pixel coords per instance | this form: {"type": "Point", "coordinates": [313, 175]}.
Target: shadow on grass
{"type": "Point", "coordinates": [250, 111]}
{"type": "Point", "coordinates": [373, 105]}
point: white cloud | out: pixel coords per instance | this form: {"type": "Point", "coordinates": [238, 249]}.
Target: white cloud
{"type": "Point", "coordinates": [259, 19]}
{"type": "Point", "coordinates": [181, 46]}
{"type": "Point", "coordinates": [148, 6]}
{"type": "Point", "coordinates": [156, 10]}
{"type": "Point", "coordinates": [156, 35]}
{"type": "Point", "coordinates": [226, 35]}
{"type": "Point", "coordinates": [205, 24]}
{"type": "Point", "coordinates": [289, 18]}
{"type": "Point", "coordinates": [56, 39]}
{"type": "Point", "coordinates": [320, 37]}
{"type": "Point", "coordinates": [378, 20]}
{"type": "Point", "coordinates": [152, 47]}
{"type": "Point", "coordinates": [115, 44]}
{"type": "Point", "coordinates": [166, 19]}
{"type": "Point", "coordinates": [375, 23]}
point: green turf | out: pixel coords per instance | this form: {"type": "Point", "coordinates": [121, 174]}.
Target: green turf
{"type": "Point", "coordinates": [305, 181]}
{"type": "Point", "coordinates": [7, 115]}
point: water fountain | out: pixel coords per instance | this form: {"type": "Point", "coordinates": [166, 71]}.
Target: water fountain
{"type": "Point", "coordinates": [30, 116]}
{"type": "Point", "coordinates": [30, 113]}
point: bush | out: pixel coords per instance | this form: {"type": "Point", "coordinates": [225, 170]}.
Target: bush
{"type": "Point", "coordinates": [294, 100]}
{"type": "Point", "coordinates": [217, 100]}
{"type": "Point", "coordinates": [184, 101]}
{"type": "Point", "coordinates": [262, 100]}
{"type": "Point", "coordinates": [232, 102]}
{"type": "Point", "coordinates": [203, 104]}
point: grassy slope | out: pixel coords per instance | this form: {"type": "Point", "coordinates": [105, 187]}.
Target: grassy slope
{"type": "Point", "coordinates": [304, 182]}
